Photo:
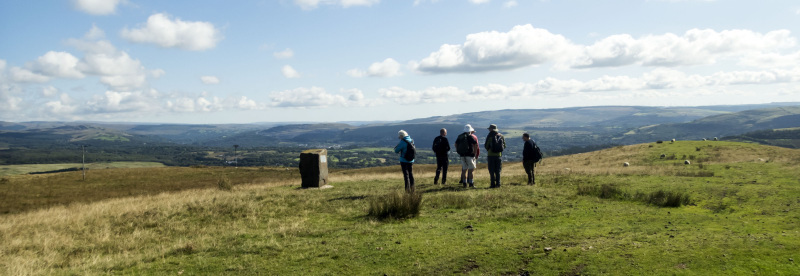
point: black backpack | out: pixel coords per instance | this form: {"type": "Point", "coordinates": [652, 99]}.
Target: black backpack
{"type": "Point", "coordinates": [464, 142]}
{"type": "Point", "coordinates": [537, 153]}
{"type": "Point", "coordinates": [497, 143]}
{"type": "Point", "coordinates": [411, 151]}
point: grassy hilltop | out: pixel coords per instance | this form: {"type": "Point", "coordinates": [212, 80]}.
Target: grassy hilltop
{"type": "Point", "coordinates": [587, 215]}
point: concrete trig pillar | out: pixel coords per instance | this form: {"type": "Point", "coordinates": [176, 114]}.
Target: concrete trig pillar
{"type": "Point", "coordinates": [314, 168]}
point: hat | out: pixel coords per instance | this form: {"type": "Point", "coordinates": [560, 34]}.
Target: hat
{"type": "Point", "coordinates": [492, 127]}
{"type": "Point", "coordinates": [468, 128]}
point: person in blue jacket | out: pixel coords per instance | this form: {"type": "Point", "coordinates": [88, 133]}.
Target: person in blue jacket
{"type": "Point", "coordinates": [407, 152]}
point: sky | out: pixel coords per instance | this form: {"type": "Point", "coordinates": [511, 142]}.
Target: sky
{"type": "Point", "coordinates": [233, 62]}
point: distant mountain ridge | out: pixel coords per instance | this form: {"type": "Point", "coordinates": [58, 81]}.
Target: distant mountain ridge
{"type": "Point", "coordinates": [558, 128]}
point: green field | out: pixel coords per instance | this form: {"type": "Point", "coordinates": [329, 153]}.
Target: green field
{"type": "Point", "coordinates": [742, 217]}
{"type": "Point", "coordinates": [29, 168]}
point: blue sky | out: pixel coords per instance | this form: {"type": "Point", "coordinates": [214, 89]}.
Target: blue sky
{"type": "Point", "coordinates": [364, 60]}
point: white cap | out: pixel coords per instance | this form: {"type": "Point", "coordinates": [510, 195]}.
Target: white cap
{"type": "Point", "coordinates": [468, 128]}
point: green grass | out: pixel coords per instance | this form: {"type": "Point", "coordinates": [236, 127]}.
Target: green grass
{"type": "Point", "coordinates": [742, 219]}
{"type": "Point", "coordinates": [24, 169]}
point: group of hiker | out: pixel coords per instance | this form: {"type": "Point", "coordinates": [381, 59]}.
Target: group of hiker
{"type": "Point", "coordinates": [468, 150]}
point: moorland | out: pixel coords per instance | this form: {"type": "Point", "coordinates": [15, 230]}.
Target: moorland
{"type": "Point", "coordinates": [588, 214]}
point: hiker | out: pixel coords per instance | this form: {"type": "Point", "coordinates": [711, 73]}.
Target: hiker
{"type": "Point", "coordinates": [468, 150]}
{"type": "Point", "coordinates": [530, 156]}
{"type": "Point", "coordinates": [495, 144]}
{"type": "Point", "coordinates": [407, 152]}
{"type": "Point", "coordinates": [441, 147]}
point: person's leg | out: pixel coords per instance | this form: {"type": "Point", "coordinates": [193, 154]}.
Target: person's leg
{"type": "Point", "coordinates": [405, 168]}
{"type": "Point", "coordinates": [438, 170]}
{"type": "Point", "coordinates": [490, 167]}
{"type": "Point", "coordinates": [528, 166]}
{"type": "Point", "coordinates": [469, 178]}
{"type": "Point", "coordinates": [464, 168]}
{"type": "Point", "coordinates": [444, 165]}
{"type": "Point", "coordinates": [497, 170]}
{"type": "Point", "coordinates": [411, 177]}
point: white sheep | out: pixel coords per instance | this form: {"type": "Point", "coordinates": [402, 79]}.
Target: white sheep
{"type": "Point", "coordinates": [673, 140]}
{"type": "Point", "coordinates": [687, 162]}
{"type": "Point", "coordinates": [626, 164]}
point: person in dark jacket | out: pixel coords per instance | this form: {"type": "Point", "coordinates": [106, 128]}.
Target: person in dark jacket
{"type": "Point", "coordinates": [469, 159]}
{"type": "Point", "coordinates": [406, 165]}
{"type": "Point", "coordinates": [494, 159]}
{"type": "Point", "coordinates": [441, 147]}
{"type": "Point", "coordinates": [529, 154]}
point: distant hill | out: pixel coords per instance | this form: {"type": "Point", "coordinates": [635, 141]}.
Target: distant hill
{"type": "Point", "coordinates": [785, 137]}
{"type": "Point", "coordinates": [718, 125]}
{"type": "Point", "coordinates": [555, 129]}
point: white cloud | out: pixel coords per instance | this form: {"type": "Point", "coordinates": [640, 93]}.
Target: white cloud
{"type": "Point", "coordinates": [116, 68]}
{"type": "Point", "coordinates": [289, 72]}
{"type": "Point", "coordinates": [520, 47]}
{"type": "Point", "coordinates": [9, 101]}
{"type": "Point", "coordinates": [167, 33]}
{"type": "Point", "coordinates": [205, 103]}
{"type": "Point", "coordinates": [387, 68]}
{"type": "Point", "coordinates": [49, 91]}
{"type": "Point", "coordinates": [696, 46]}
{"type": "Point", "coordinates": [660, 79]}
{"type": "Point", "coordinates": [125, 102]}
{"type": "Point", "coordinates": [288, 53]}
{"type": "Point", "coordinates": [428, 95]}
{"type": "Point", "coordinates": [510, 4]}
{"type": "Point", "coordinates": [64, 106]}
{"type": "Point", "coordinates": [97, 7]}
{"type": "Point", "coordinates": [157, 73]}
{"type": "Point", "coordinates": [528, 46]}
{"type": "Point", "coordinates": [316, 97]}
{"type": "Point", "coordinates": [94, 33]}
{"type": "Point", "coordinates": [479, 1]}
{"type": "Point", "coordinates": [57, 64]}
{"type": "Point", "coordinates": [17, 74]}
{"type": "Point", "coordinates": [209, 79]}
{"type": "Point", "coordinates": [313, 4]}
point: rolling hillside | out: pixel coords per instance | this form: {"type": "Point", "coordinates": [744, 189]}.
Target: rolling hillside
{"type": "Point", "coordinates": [587, 215]}
{"type": "Point", "coordinates": [719, 125]}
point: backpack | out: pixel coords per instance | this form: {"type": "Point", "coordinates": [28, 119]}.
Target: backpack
{"type": "Point", "coordinates": [411, 151]}
{"type": "Point", "coordinates": [464, 142]}
{"type": "Point", "coordinates": [537, 154]}
{"type": "Point", "coordinates": [497, 143]}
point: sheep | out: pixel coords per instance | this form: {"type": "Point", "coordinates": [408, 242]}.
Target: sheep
{"type": "Point", "coordinates": [715, 139]}
{"type": "Point", "coordinates": [704, 139]}
{"type": "Point", "coordinates": [673, 140]}
{"type": "Point", "coordinates": [626, 164]}
{"type": "Point", "coordinates": [663, 156]}
{"type": "Point", "coordinates": [686, 162]}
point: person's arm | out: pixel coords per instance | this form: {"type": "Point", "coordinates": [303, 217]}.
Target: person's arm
{"type": "Point", "coordinates": [399, 146]}
{"type": "Point", "coordinates": [476, 148]}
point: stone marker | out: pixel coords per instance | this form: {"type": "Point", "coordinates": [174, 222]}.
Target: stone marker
{"type": "Point", "coordinates": [314, 168]}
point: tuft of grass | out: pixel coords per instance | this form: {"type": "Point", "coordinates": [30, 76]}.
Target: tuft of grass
{"type": "Point", "coordinates": [663, 198]}
{"type": "Point", "coordinates": [395, 205]}
{"type": "Point", "coordinates": [224, 184]}
{"type": "Point", "coordinates": [659, 197]}
{"type": "Point", "coordinates": [605, 191]}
